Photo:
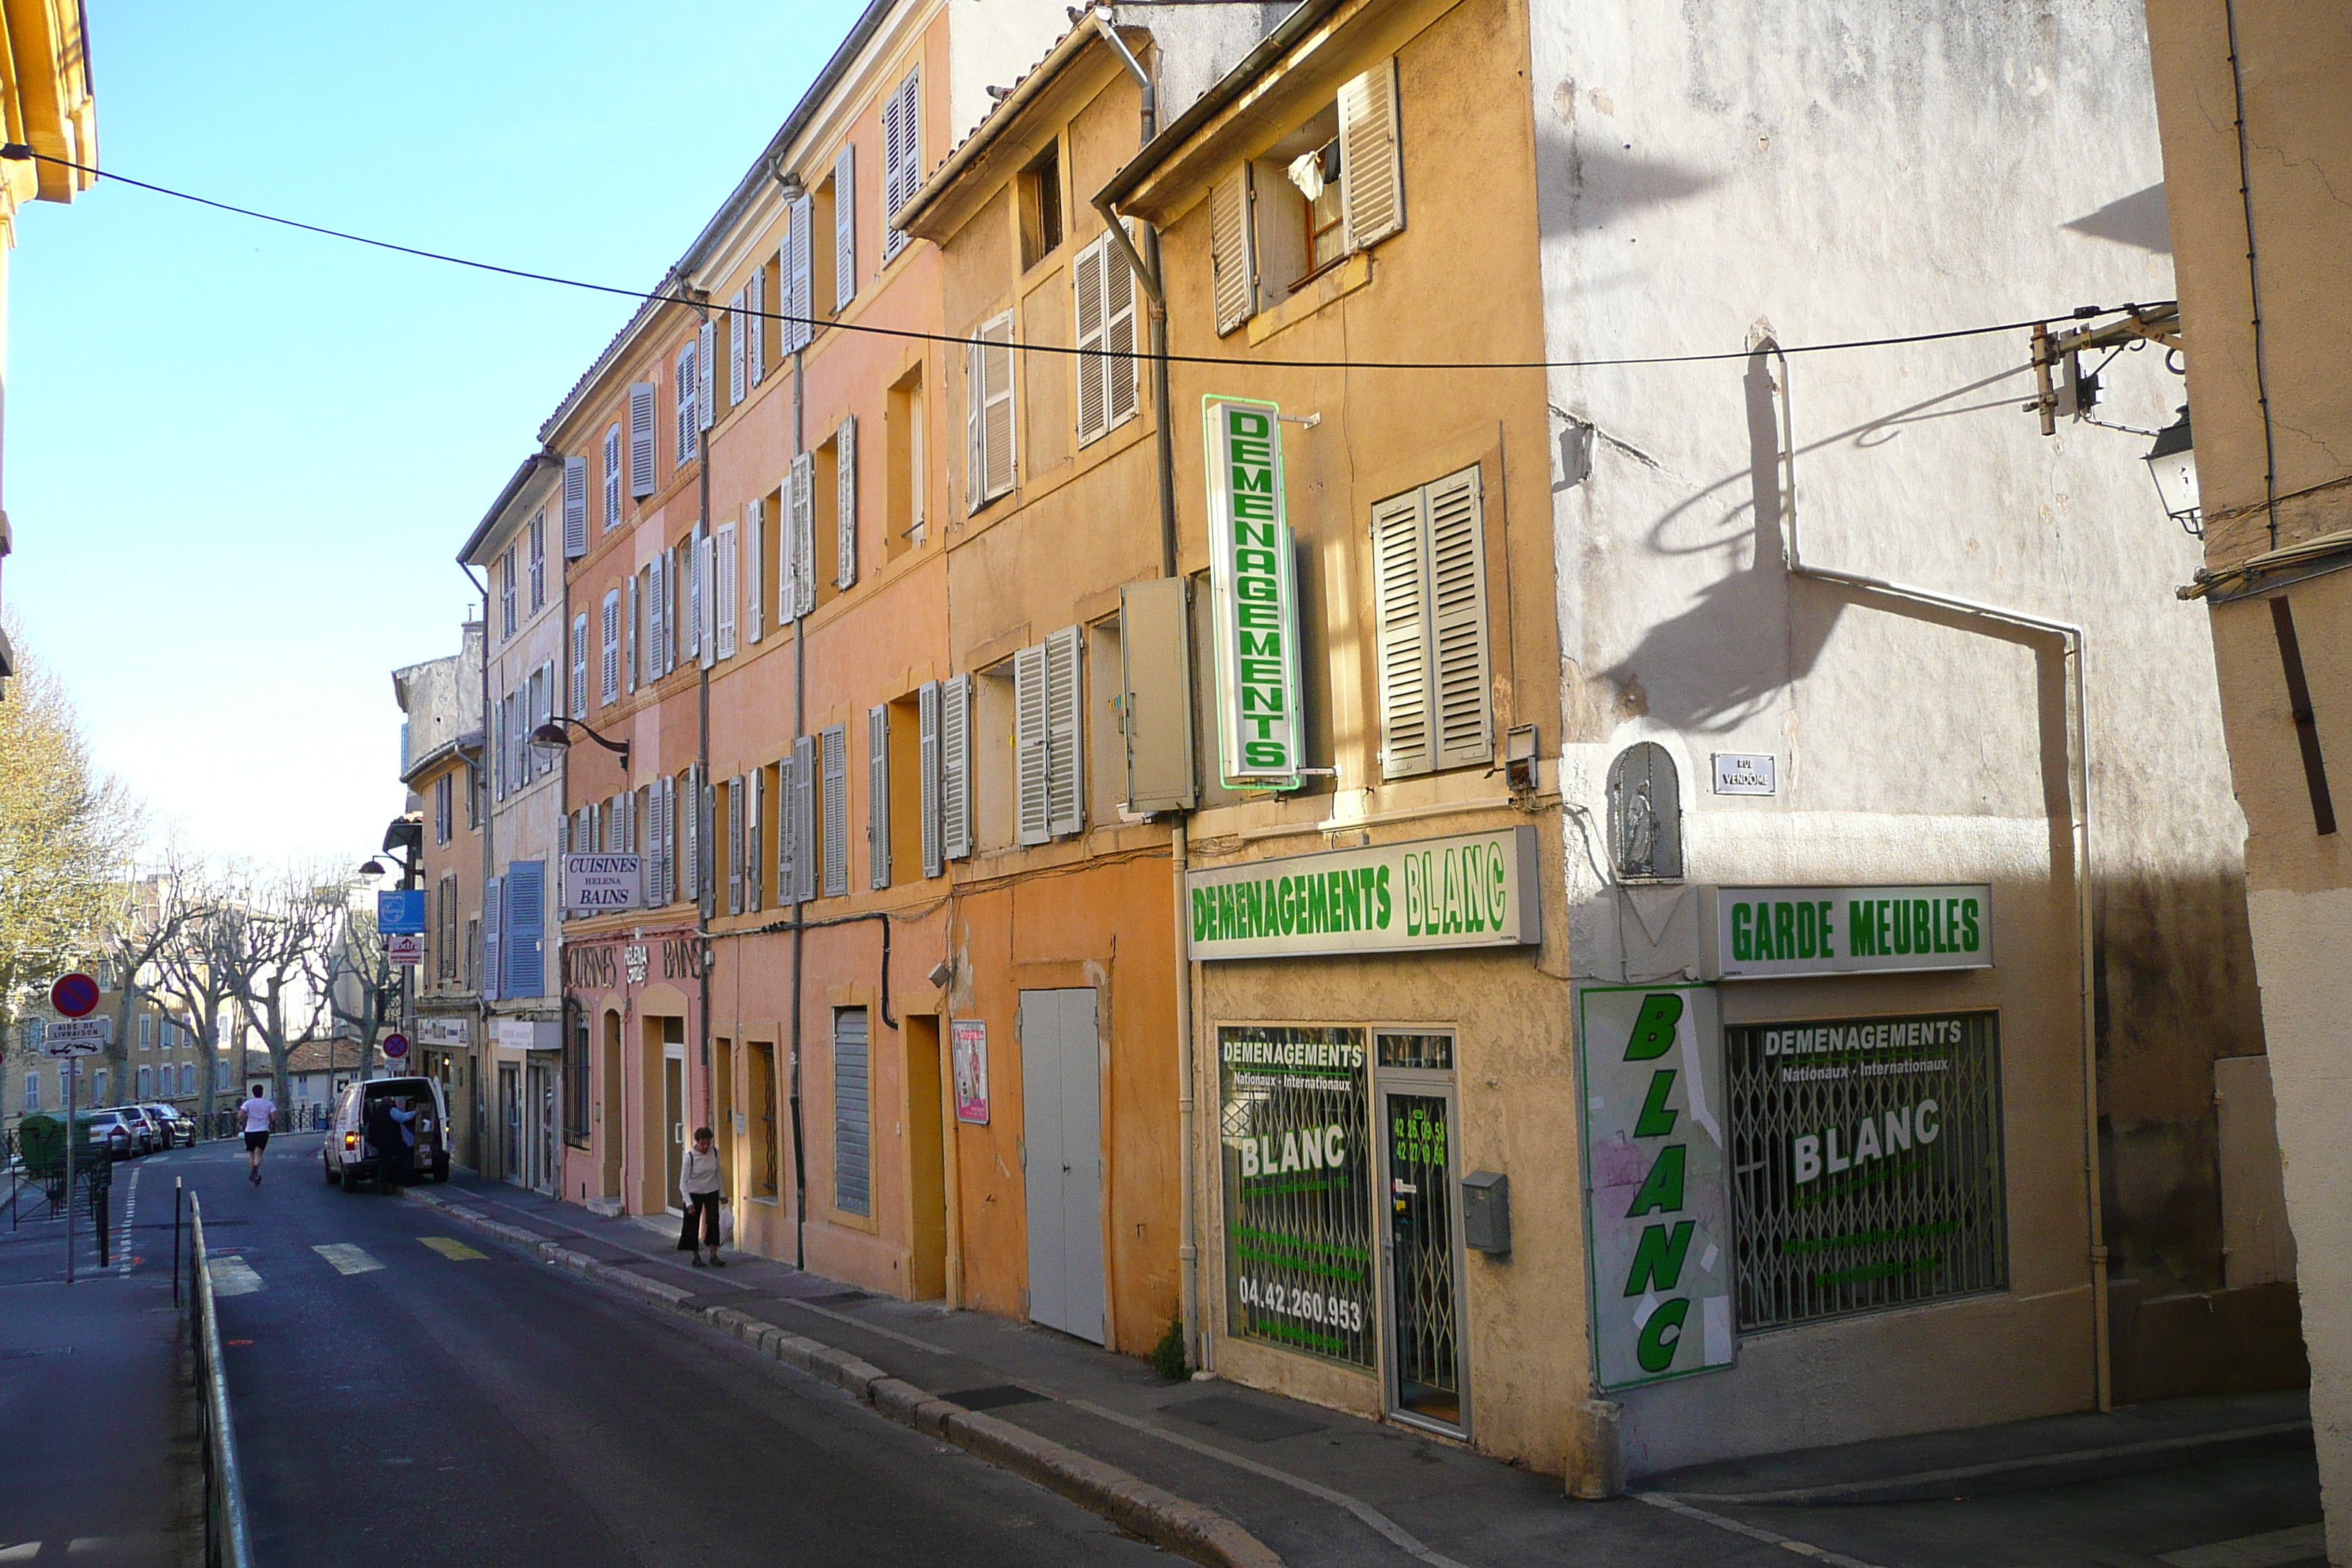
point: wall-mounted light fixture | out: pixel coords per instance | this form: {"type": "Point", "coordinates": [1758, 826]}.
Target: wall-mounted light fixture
{"type": "Point", "coordinates": [2172, 463]}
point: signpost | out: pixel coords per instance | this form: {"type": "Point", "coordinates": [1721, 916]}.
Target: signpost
{"type": "Point", "coordinates": [395, 1045]}
{"type": "Point", "coordinates": [74, 996]}
{"type": "Point", "coordinates": [1254, 603]}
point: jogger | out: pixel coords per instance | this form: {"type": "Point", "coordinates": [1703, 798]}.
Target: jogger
{"type": "Point", "coordinates": [259, 1113]}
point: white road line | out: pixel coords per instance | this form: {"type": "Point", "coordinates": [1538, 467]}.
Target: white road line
{"type": "Point", "coordinates": [2266, 1550]}
{"type": "Point", "coordinates": [347, 1258]}
{"type": "Point", "coordinates": [130, 1214]}
{"type": "Point", "coordinates": [234, 1276]}
{"type": "Point", "coordinates": [1803, 1549]}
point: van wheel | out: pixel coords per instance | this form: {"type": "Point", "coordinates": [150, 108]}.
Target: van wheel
{"type": "Point", "coordinates": [351, 1183]}
{"type": "Point", "coordinates": [334, 1177]}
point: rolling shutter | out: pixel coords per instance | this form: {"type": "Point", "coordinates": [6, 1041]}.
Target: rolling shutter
{"type": "Point", "coordinates": [853, 1151]}
{"type": "Point", "coordinates": [836, 811]}
{"type": "Point", "coordinates": [877, 795]}
{"type": "Point", "coordinates": [1232, 250]}
{"type": "Point", "coordinates": [845, 226]}
{"type": "Point", "coordinates": [1371, 168]}
{"type": "Point", "coordinates": [1066, 785]}
{"type": "Point", "coordinates": [927, 725]}
{"type": "Point", "coordinates": [1401, 603]}
{"type": "Point", "coordinates": [799, 293]}
{"type": "Point", "coordinates": [723, 590]}
{"type": "Point", "coordinates": [755, 523]}
{"type": "Point", "coordinates": [805, 819]}
{"type": "Point", "coordinates": [575, 508]}
{"type": "Point", "coordinates": [902, 157]}
{"type": "Point", "coordinates": [641, 439]}
{"type": "Point", "coordinates": [955, 768]}
{"type": "Point", "coordinates": [802, 563]}
{"type": "Point", "coordinates": [1458, 555]}
{"type": "Point", "coordinates": [844, 453]}
{"type": "Point", "coordinates": [493, 937]}
{"type": "Point", "coordinates": [1031, 750]}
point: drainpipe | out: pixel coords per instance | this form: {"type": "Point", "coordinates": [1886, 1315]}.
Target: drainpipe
{"type": "Point", "coordinates": [787, 185]}
{"type": "Point", "coordinates": [2069, 637]}
{"type": "Point", "coordinates": [1147, 268]}
{"type": "Point", "coordinates": [706, 852]}
{"type": "Point", "coordinates": [487, 795]}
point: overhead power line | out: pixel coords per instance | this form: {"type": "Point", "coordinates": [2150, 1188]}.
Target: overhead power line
{"type": "Point", "coordinates": [19, 151]}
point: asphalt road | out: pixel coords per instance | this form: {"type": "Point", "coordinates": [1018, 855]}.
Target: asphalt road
{"type": "Point", "coordinates": [417, 1395]}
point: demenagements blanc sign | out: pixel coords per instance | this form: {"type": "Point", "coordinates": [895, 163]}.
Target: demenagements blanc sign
{"type": "Point", "coordinates": [1476, 889]}
{"type": "Point", "coordinates": [1766, 932]}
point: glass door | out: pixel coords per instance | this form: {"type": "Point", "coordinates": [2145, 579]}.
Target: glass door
{"type": "Point", "coordinates": [1428, 1357]}
{"type": "Point", "coordinates": [509, 1123]}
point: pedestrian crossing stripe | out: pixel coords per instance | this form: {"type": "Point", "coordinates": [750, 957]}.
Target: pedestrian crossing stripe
{"type": "Point", "coordinates": [232, 1276]}
{"type": "Point", "coordinates": [347, 1258]}
{"type": "Point", "coordinates": [450, 1247]}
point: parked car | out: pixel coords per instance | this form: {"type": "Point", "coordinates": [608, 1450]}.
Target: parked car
{"type": "Point", "coordinates": [159, 1131]}
{"type": "Point", "coordinates": [180, 1132]}
{"type": "Point", "coordinates": [348, 1158]}
{"type": "Point", "coordinates": [122, 1135]}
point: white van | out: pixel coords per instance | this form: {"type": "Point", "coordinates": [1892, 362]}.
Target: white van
{"type": "Point", "coordinates": [348, 1159]}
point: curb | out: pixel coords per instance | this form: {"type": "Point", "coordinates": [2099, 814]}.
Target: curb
{"type": "Point", "coordinates": [1128, 1500]}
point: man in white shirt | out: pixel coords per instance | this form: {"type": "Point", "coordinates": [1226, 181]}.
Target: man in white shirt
{"type": "Point", "coordinates": [259, 1113]}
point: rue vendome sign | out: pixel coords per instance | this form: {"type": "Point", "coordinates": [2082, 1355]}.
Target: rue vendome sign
{"type": "Point", "coordinates": [1768, 933]}
{"type": "Point", "coordinates": [1474, 889]}
{"type": "Point", "coordinates": [1253, 599]}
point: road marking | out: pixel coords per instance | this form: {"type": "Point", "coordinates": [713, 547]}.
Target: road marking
{"type": "Point", "coordinates": [1803, 1549]}
{"type": "Point", "coordinates": [347, 1258]}
{"type": "Point", "coordinates": [451, 1247]}
{"type": "Point", "coordinates": [2265, 1551]}
{"type": "Point", "coordinates": [234, 1276]}
{"type": "Point", "coordinates": [123, 1263]}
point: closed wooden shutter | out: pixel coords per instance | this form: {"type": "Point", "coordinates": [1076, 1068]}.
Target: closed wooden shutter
{"type": "Point", "coordinates": [755, 330]}
{"type": "Point", "coordinates": [1119, 369]}
{"type": "Point", "coordinates": [926, 726]}
{"type": "Point", "coordinates": [803, 527]}
{"type": "Point", "coordinates": [1065, 789]}
{"type": "Point", "coordinates": [755, 523]}
{"type": "Point", "coordinates": [641, 439]}
{"type": "Point", "coordinates": [788, 841]}
{"type": "Point", "coordinates": [1086, 281]}
{"type": "Point", "coordinates": [735, 364]}
{"type": "Point", "coordinates": [1463, 718]}
{"type": "Point", "coordinates": [853, 1141]}
{"type": "Point", "coordinates": [609, 687]}
{"type": "Point", "coordinates": [902, 157]}
{"type": "Point", "coordinates": [992, 391]}
{"type": "Point", "coordinates": [631, 638]}
{"type": "Point", "coordinates": [613, 478]}
{"type": "Point", "coordinates": [755, 863]}
{"type": "Point", "coordinates": [1371, 166]}
{"type": "Point", "coordinates": [656, 616]}
{"type": "Point", "coordinates": [1032, 746]}
{"type": "Point", "coordinates": [877, 795]}
{"type": "Point", "coordinates": [526, 918]}
{"type": "Point", "coordinates": [844, 454]}
{"type": "Point", "coordinates": [804, 792]}
{"type": "Point", "coordinates": [1232, 250]}
{"type": "Point", "coordinates": [955, 768]}
{"type": "Point", "coordinates": [1400, 606]}
{"type": "Point", "coordinates": [575, 508]}
{"type": "Point", "coordinates": [493, 938]}
{"type": "Point", "coordinates": [579, 665]}
{"type": "Point", "coordinates": [836, 811]}
{"type": "Point", "coordinates": [798, 291]}
{"type": "Point", "coordinates": [706, 374]}
{"type": "Point", "coordinates": [845, 226]}
{"type": "Point", "coordinates": [724, 586]}
{"type": "Point", "coordinates": [735, 844]}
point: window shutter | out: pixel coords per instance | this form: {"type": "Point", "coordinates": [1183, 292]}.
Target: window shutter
{"type": "Point", "coordinates": [609, 687]}
{"type": "Point", "coordinates": [996, 433]}
{"type": "Point", "coordinates": [724, 594]}
{"type": "Point", "coordinates": [612, 478]}
{"type": "Point", "coordinates": [735, 844]}
{"type": "Point", "coordinates": [805, 819]}
{"type": "Point", "coordinates": [755, 812]}
{"type": "Point", "coordinates": [706, 599]}
{"type": "Point", "coordinates": [526, 914]}
{"type": "Point", "coordinates": [1232, 250]}
{"type": "Point", "coordinates": [579, 665]}
{"type": "Point", "coordinates": [803, 523]}
{"type": "Point", "coordinates": [955, 768]}
{"type": "Point", "coordinates": [641, 439]}
{"type": "Point", "coordinates": [1065, 787]}
{"type": "Point", "coordinates": [499, 767]}
{"type": "Point", "coordinates": [852, 1110]}
{"type": "Point", "coordinates": [1371, 167]}
{"type": "Point", "coordinates": [575, 508]}
{"type": "Point", "coordinates": [755, 330]}
{"type": "Point", "coordinates": [667, 821]}
{"type": "Point", "coordinates": [844, 453]}
{"type": "Point", "coordinates": [755, 523]}
{"type": "Point", "coordinates": [1087, 281]}
{"type": "Point", "coordinates": [1463, 719]}
{"type": "Point", "coordinates": [975, 455]}
{"type": "Point", "coordinates": [1119, 369]}
{"type": "Point", "coordinates": [735, 323]}
{"type": "Point", "coordinates": [799, 292]}
{"type": "Point", "coordinates": [697, 832]}
{"type": "Point", "coordinates": [1400, 602]}
{"type": "Point", "coordinates": [656, 616]}
{"type": "Point", "coordinates": [877, 795]}
{"type": "Point", "coordinates": [927, 725]}
{"type": "Point", "coordinates": [1032, 745]}
{"type": "Point", "coordinates": [788, 880]}
{"type": "Point", "coordinates": [902, 156]}
{"type": "Point", "coordinates": [493, 937]}
{"type": "Point", "coordinates": [845, 226]}
{"type": "Point", "coordinates": [706, 371]}
{"type": "Point", "coordinates": [689, 423]}
{"type": "Point", "coordinates": [630, 631]}
{"type": "Point", "coordinates": [836, 811]}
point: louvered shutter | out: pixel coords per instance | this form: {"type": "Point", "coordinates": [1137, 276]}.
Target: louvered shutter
{"type": "Point", "coordinates": [706, 371]}
{"type": "Point", "coordinates": [689, 379]}
{"type": "Point", "coordinates": [844, 452]}
{"type": "Point", "coordinates": [724, 549]}
{"type": "Point", "coordinates": [805, 819]}
{"type": "Point", "coordinates": [836, 811]}
{"type": "Point", "coordinates": [927, 725]}
{"type": "Point", "coordinates": [1401, 603]}
{"type": "Point", "coordinates": [630, 633]}
{"type": "Point", "coordinates": [877, 795]}
{"type": "Point", "coordinates": [493, 938]}
{"type": "Point", "coordinates": [755, 523]}
{"type": "Point", "coordinates": [1065, 787]}
{"type": "Point", "coordinates": [990, 385]}
{"type": "Point", "coordinates": [613, 478]}
{"type": "Point", "coordinates": [504, 766]}
{"type": "Point", "coordinates": [579, 665]}
{"type": "Point", "coordinates": [706, 599]}
{"type": "Point", "coordinates": [697, 833]}
{"type": "Point", "coordinates": [526, 915]}
{"type": "Point", "coordinates": [1086, 281]}
{"type": "Point", "coordinates": [902, 154]}
{"type": "Point", "coordinates": [575, 508]}
{"type": "Point", "coordinates": [641, 439]}
{"type": "Point", "coordinates": [852, 1110]}
{"type": "Point", "coordinates": [975, 455]}
{"type": "Point", "coordinates": [735, 844]}
{"type": "Point", "coordinates": [755, 330]}
{"type": "Point", "coordinates": [1463, 718]}
{"type": "Point", "coordinates": [788, 844]}
{"type": "Point", "coordinates": [798, 291]}
{"type": "Point", "coordinates": [1372, 165]}
{"type": "Point", "coordinates": [755, 816]}
{"type": "Point", "coordinates": [1120, 366]}
{"type": "Point", "coordinates": [803, 524]}
{"type": "Point", "coordinates": [665, 824]}
{"type": "Point", "coordinates": [656, 616]}
{"type": "Point", "coordinates": [1032, 745]}
{"type": "Point", "coordinates": [609, 685]}
{"type": "Point", "coordinates": [1232, 250]}
{"type": "Point", "coordinates": [955, 768]}
{"type": "Point", "coordinates": [845, 227]}
{"type": "Point", "coordinates": [735, 324]}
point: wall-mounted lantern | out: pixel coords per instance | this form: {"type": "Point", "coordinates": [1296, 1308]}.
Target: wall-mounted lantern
{"type": "Point", "coordinates": [2172, 463]}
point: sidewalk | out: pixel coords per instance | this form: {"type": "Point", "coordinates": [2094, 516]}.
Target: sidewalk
{"type": "Point", "coordinates": [1185, 1463]}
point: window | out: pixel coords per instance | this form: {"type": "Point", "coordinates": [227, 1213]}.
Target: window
{"type": "Point", "coordinates": [445, 791]}
{"type": "Point", "coordinates": [187, 1078]}
{"type": "Point", "coordinates": [987, 412]}
{"type": "Point", "coordinates": [1049, 772]}
{"type": "Point", "coordinates": [538, 535]}
{"type": "Point", "coordinates": [507, 594]}
{"type": "Point", "coordinates": [444, 931]}
{"type": "Point", "coordinates": [1041, 206]}
{"type": "Point", "coordinates": [904, 476]}
{"type": "Point", "coordinates": [688, 423]}
{"type": "Point", "coordinates": [1105, 284]}
{"type": "Point", "coordinates": [473, 953]}
{"type": "Point", "coordinates": [32, 1092]}
{"type": "Point", "coordinates": [1429, 601]}
{"type": "Point", "coordinates": [146, 1089]}
{"type": "Point", "coordinates": [767, 1141]}
{"type": "Point", "coordinates": [576, 1083]}
{"type": "Point", "coordinates": [613, 478]}
{"type": "Point", "coordinates": [853, 1151]}
{"type": "Point", "coordinates": [835, 748]}
{"type": "Point", "coordinates": [902, 157]}
{"type": "Point", "coordinates": [1645, 813]}
{"type": "Point", "coordinates": [609, 683]}
{"type": "Point", "coordinates": [579, 665]}
{"type": "Point", "coordinates": [641, 439]}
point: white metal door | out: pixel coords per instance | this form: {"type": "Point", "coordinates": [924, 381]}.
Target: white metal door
{"type": "Point", "coordinates": [1061, 1112]}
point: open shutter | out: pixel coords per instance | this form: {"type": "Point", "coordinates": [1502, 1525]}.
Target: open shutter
{"type": "Point", "coordinates": [1400, 602]}
{"type": "Point", "coordinates": [575, 508]}
{"type": "Point", "coordinates": [723, 594]}
{"type": "Point", "coordinates": [996, 433]}
{"type": "Point", "coordinates": [755, 814]}
{"type": "Point", "coordinates": [1065, 787]}
{"type": "Point", "coordinates": [612, 478]}
{"type": "Point", "coordinates": [1120, 368]}
{"type": "Point", "coordinates": [755, 522]}
{"type": "Point", "coordinates": [706, 599]}
{"type": "Point", "coordinates": [877, 795]}
{"type": "Point", "coordinates": [1463, 718]}
{"type": "Point", "coordinates": [804, 525]}
{"type": "Point", "coordinates": [656, 616]}
{"type": "Point", "coordinates": [609, 685]}
{"type": "Point", "coordinates": [641, 439]}
{"type": "Point", "coordinates": [1032, 751]}
{"type": "Point", "coordinates": [683, 374]}
{"type": "Point", "coordinates": [735, 844]}
{"type": "Point", "coordinates": [631, 634]}
{"type": "Point", "coordinates": [926, 726]}
{"type": "Point", "coordinates": [755, 330]}
{"type": "Point", "coordinates": [665, 823]}
{"type": "Point", "coordinates": [799, 293]}
{"type": "Point", "coordinates": [902, 156]}
{"type": "Point", "coordinates": [975, 455]}
{"type": "Point", "coordinates": [788, 842]}
{"type": "Point", "coordinates": [1371, 169]}
{"type": "Point", "coordinates": [526, 927]}
{"type": "Point", "coordinates": [493, 938]}
{"type": "Point", "coordinates": [579, 665]}
{"type": "Point", "coordinates": [836, 811]}
{"type": "Point", "coordinates": [735, 324]}
{"type": "Point", "coordinates": [805, 819]}
{"type": "Point", "coordinates": [955, 768]}
{"type": "Point", "coordinates": [1086, 279]}
{"type": "Point", "coordinates": [1232, 250]}
{"type": "Point", "coordinates": [706, 371]}
{"type": "Point", "coordinates": [844, 452]}
{"type": "Point", "coordinates": [845, 227]}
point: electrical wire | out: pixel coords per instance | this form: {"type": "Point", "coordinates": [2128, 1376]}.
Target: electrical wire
{"type": "Point", "coordinates": [19, 151]}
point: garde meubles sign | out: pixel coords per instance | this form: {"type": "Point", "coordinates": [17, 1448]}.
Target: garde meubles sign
{"type": "Point", "coordinates": [1474, 889]}
{"type": "Point", "coordinates": [1766, 932]}
{"type": "Point", "coordinates": [1253, 600]}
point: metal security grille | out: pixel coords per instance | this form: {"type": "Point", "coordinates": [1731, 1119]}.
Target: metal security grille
{"type": "Point", "coordinates": [1867, 1164]}
{"type": "Point", "coordinates": [1298, 1261]}
{"type": "Point", "coordinates": [1421, 1228]}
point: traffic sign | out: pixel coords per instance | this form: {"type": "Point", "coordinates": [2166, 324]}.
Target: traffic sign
{"type": "Point", "coordinates": [395, 1045]}
{"type": "Point", "coordinates": [75, 995]}
{"type": "Point", "coordinates": [404, 949]}
{"type": "Point", "coordinates": [78, 1037]}
{"type": "Point", "coordinates": [401, 910]}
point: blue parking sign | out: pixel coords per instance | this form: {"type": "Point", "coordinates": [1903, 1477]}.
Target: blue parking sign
{"type": "Point", "coordinates": [401, 913]}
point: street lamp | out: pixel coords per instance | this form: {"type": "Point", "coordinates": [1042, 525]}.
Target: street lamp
{"type": "Point", "coordinates": [2172, 463]}
{"type": "Point", "coordinates": [553, 734]}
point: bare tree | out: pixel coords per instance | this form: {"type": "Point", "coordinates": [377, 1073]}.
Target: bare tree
{"type": "Point", "coordinates": [149, 914]}
{"type": "Point", "coordinates": [193, 971]}
{"type": "Point", "coordinates": [272, 937]}
{"type": "Point", "coordinates": [356, 974]}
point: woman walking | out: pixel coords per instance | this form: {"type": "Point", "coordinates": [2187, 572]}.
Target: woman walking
{"type": "Point", "coordinates": [698, 1184]}
{"type": "Point", "coordinates": [258, 1112]}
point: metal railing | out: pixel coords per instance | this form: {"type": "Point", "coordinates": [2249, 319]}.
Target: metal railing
{"type": "Point", "coordinates": [226, 1543]}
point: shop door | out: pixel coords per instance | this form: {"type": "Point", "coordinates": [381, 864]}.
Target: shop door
{"type": "Point", "coordinates": [509, 1122]}
{"type": "Point", "coordinates": [673, 1126]}
{"type": "Point", "coordinates": [1421, 1240]}
{"type": "Point", "coordinates": [1061, 1119]}
{"type": "Point", "coordinates": [542, 1127]}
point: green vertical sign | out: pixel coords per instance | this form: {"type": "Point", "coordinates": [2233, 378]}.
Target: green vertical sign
{"type": "Point", "coordinates": [1253, 598]}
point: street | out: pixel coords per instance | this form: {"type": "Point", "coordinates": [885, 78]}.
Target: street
{"type": "Point", "coordinates": [406, 1392]}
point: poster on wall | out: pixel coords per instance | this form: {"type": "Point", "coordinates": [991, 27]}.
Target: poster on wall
{"type": "Point", "coordinates": [968, 1046]}
{"type": "Point", "coordinates": [1294, 1105]}
{"type": "Point", "coordinates": [1657, 1222]}
{"type": "Point", "coordinates": [1868, 1153]}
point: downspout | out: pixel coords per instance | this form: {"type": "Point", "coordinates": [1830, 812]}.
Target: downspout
{"type": "Point", "coordinates": [2079, 787]}
{"type": "Point", "coordinates": [784, 183]}
{"type": "Point", "coordinates": [706, 852]}
{"type": "Point", "coordinates": [482, 783]}
{"type": "Point", "coordinates": [1147, 268]}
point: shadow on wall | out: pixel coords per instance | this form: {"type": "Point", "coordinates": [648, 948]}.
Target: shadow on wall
{"type": "Point", "coordinates": [2138, 220]}
{"type": "Point", "coordinates": [1600, 181]}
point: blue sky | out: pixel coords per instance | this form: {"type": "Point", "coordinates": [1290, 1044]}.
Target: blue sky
{"type": "Point", "coordinates": [240, 460]}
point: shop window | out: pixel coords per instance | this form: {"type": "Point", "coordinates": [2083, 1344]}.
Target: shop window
{"type": "Point", "coordinates": [576, 1083]}
{"type": "Point", "coordinates": [1645, 814]}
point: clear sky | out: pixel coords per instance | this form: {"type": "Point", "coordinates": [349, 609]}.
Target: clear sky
{"type": "Point", "coordinates": [240, 460]}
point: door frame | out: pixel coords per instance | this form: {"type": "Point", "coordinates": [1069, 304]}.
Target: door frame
{"type": "Point", "coordinates": [1430, 1083]}
{"type": "Point", "coordinates": [674, 1051]}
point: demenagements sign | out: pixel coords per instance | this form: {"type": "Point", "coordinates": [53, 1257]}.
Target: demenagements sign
{"type": "Point", "coordinates": [1768, 933]}
{"type": "Point", "coordinates": [1475, 889]}
{"type": "Point", "coordinates": [1253, 600]}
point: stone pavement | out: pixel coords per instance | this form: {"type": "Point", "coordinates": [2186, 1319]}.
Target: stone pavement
{"type": "Point", "coordinates": [2150, 1485]}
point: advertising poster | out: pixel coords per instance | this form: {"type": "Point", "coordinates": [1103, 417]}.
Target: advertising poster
{"type": "Point", "coordinates": [968, 1046]}
{"type": "Point", "coordinates": [1658, 1217]}
{"type": "Point", "coordinates": [1295, 1107]}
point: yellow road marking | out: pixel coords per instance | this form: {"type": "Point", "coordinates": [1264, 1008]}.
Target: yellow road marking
{"type": "Point", "coordinates": [347, 1258]}
{"type": "Point", "coordinates": [450, 1247]}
